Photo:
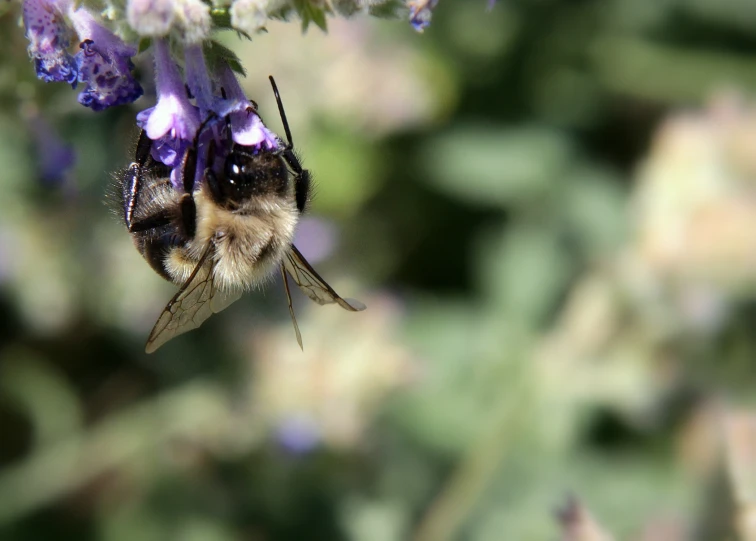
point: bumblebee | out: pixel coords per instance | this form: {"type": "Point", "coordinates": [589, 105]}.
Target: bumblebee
{"type": "Point", "coordinates": [223, 234]}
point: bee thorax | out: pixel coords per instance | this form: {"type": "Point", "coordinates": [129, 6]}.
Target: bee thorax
{"type": "Point", "coordinates": [249, 243]}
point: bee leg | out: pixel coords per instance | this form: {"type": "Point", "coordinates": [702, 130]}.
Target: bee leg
{"type": "Point", "coordinates": [189, 170]}
{"type": "Point", "coordinates": [189, 162]}
{"type": "Point", "coordinates": [133, 180]}
{"type": "Point", "coordinates": [144, 146]}
{"type": "Point", "coordinates": [187, 207]}
{"type": "Point", "coordinates": [188, 215]}
{"type": "Point", "coordinates": [131, 186]}
{"type": "Point", "coordinates": [212, 183]}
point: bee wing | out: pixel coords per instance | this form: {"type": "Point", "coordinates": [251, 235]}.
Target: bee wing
{"type": "Point", "coordinates": [291, 307]}
{"type": "Point", "coordinates": [196, 301]}
{"type": "Point", "coordinates": [312, 284]}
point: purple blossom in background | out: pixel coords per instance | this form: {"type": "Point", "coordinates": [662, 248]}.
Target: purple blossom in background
{"type": "Point", "coordinates": [421, 12]}
{"type": "Point", "coordinates": [104, 64]}
{"type": "Point", "coordinates": [298, 435]}
{"type": "Point", "coordinates": [173, 122]}
{"type": "Point", "coordinates": [54, 156]}
{"type": "Point", "coordinates": [316, 238]}
{"type": "Point", "coordinates": [49, 39]}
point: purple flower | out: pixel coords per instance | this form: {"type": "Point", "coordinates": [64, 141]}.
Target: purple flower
{"type": "Point", "coordinates": [316, 238]}
{"type": "Point", "coordinates": [421, 12]}
{"type": "Point", "coordinates": [247, 128]}
{"type": "Point", "coordinates": [201, 88]}
{"type": "Point", "coordinates": [104, 64]}
{"type": "Point", "coordinates": [198, 80]}
{"type": "Point", "coordinates": [298, 434]}
{"type": "Point", "coordinates": [49, 39]}
{"type": "Point", "coordinates": [54, 156]}
{"type": "Point", "coordinates": [174, 121]}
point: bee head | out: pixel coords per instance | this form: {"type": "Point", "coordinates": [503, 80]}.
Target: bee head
{"type": "Point", "coordinates": [246, 175]}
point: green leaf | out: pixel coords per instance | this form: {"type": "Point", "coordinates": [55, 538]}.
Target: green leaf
{"type": "Point", "coordinates": [346, 8]}
{"type": "Point", "coordinates": [497, 167]}
{"type": "Point", "coordinates": [221, 17]}
{"type": "Point", "coordinates": [222, 20]}
{"type": "Point", "coordinates": [391, 9]}
{"type": "Point", "coordinates": [594, 209]}
{"type": "Point", "coordinates": [311, 13]}
{"type": "Point", "coordinates": [217, 54]}
{"type": "Point", "coordinates": [319, 18]}
{"type": "Point", "coordinates": [144, 44]}
{"type": "Point", "coordinates": [524, 271]}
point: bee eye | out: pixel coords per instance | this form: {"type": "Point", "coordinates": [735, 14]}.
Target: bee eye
{"type": "Point", "coordinates": [234, 171]}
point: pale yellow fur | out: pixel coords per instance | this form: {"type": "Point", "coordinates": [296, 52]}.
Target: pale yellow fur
{"type": "Point", "coordinates": [239, 238]}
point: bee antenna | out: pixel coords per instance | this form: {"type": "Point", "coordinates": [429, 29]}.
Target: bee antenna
{"type": "Point", "coordinates": [281, 110]}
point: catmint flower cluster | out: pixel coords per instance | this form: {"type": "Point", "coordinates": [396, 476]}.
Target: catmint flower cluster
{"type": "Point", "coordinates": [185, 103]}
{"type": "Point", "coordinates": [103, 62]}
{"type": "Point", "coordinates": [199, 100]}
{"type": "Point", "coordinates": [421, 12]}
{"type": "Point", "coordinates": [70, 43]}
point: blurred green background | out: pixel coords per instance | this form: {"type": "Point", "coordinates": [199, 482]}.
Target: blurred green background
{"type": "Point", "coordinates": [549, 209]}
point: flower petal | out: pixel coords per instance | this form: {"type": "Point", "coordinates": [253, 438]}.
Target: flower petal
{"type": "Point", "coordinates": [104, 64]}
{"type": "Point", "coordinates": [49, 40]}
{"type": "Point", "coordinates": [247, 129]}
{"type": "Point", "coordinates": [174, 121]}
{"type": "Point", "coordinates": [421, 12]}
{"type": "Point", "coordinates": [107, 76]}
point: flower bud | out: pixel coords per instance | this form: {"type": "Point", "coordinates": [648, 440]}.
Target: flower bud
{"type": "Point", "coordinates": [151, 17]}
